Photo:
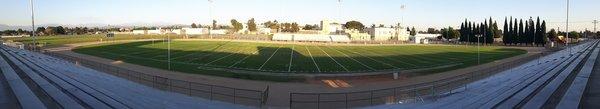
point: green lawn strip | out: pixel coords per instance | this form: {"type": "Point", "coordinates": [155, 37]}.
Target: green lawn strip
{"type": "Point", "coordinates": [382, 58]}
{"type": "Point", "coordinates": [235, 49]}
{"type": "Point", "coordinates": [407, 56]}
{"type": "Point", "coordinates": [302, 61]}
{"type": "Point", "coordinates": [367, 61]}
{"type": "Point", "coordinates": [204, 50]}
{"type": "Point", "coordinates": [231, 59]}
{"type": "Point", "coordinates": [280, 60]}
{"type": "Point", "coordinates": [201, 59]}
{"type": "Point", "coordinates": [325, 63]}
{"type": "Point", "coordinates": [379, 64]}
{"type": "Point", "coordinates": [256, 61]}
{"type": "Point", "coordinates": [344, 60]}
{"type": "Point", "coordinates": [252, 54]}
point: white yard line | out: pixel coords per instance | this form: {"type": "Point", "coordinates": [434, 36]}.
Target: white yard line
{"type": "Point", "coordinates": [260, 68]}
{"type": "Point", "coordinates": [393, 59]}
{"type": "Point", "coordinates": [352, 58]}
{"type": "Point", "coordinates": [240, 61]}
{"type": "Point", "coordinates": [291, 58]}
{"type": "Point", "coordinates": [215, 47]}
{"type": "Point", "coordinates": [333, 59]}
{"type": "Point", "coordinates": [371, 58]}
{"type": "Point", "coordinates": [313, 59]}
{"type": "Point", "coordinates": [238, 51]}
{"type": "Point", "coordinates": [205, 55]}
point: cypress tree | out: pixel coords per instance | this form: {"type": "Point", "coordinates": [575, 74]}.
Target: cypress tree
{"type": "Point", "coordinates": [543, 33]}
{"type": "Point", "coordinates": [538, 31]}
{"type": "Point", "coordinates": [505, 33]}
{"type": "Point", "coordinates": [510, 32]}
{"type": "Point", "coordinates": [521, 32]}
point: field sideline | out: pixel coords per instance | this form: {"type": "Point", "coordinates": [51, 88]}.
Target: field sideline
{"type": "Point", "coordinates": [200, 56]}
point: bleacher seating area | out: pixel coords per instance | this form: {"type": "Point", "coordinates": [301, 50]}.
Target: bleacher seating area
{"type": "Point", "coordinates": [311, 38]}
{"type": "Point", "coordinates": [31, 80]}
{"type": "Point", "coordinates": [557, 80]}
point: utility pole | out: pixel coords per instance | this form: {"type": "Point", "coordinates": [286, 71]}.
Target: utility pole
{"type": "Point", "coordinates": [32, 25]}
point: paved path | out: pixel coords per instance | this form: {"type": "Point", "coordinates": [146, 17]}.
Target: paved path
{"type": "Point", "coordinates": [279, 91]}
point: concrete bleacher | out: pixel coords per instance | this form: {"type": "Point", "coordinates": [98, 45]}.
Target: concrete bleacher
{"type": "Point", "coordinates": [557, 80]}
{"type": "Point", "coordinates": [32, 80]}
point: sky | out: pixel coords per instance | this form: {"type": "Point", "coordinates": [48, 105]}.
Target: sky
{"type": "Point", "coordinates": [417, 13]}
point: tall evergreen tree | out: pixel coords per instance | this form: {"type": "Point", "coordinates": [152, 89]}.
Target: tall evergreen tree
{"type": "Point", "coordinates": [544, 38]}
{"type": "Point", "coordinates": [505, 39]}
{"type": "Point", "coordinates": [521, 32]}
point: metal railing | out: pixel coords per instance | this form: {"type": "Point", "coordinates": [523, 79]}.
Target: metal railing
{"type": "Point", "coordinates": [398, 95]}
{"type": "Point", "coordinates": [246, 97]}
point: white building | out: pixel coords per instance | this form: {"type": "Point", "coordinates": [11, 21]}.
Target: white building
{"type": "Point", "coordinates": [385, 34]}
{"type": "Point", "coordinates": [139, 32]}
{"type": "Point", "coordinates": [311, 37]}
{"type": "Point", "coordinates": [328, 27]}
{"type": "Point", "coordinates": [194, 31]}
{"type": "Point", "coordinates": [423, 38]}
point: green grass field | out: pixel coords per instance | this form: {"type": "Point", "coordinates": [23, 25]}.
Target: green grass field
{"type": "Point", "coordinates": [200, 56]}
{"type": "Point", "coordinates": [53, 41]}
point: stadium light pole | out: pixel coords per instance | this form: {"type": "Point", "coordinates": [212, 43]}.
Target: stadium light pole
{"type": "Point", "coordinates": [210, 14]}
{"type": "Point", "coordinates": [567, 29]}
{"type": "Point", "coordinates": [32, 25]}
{"type": "Point", "coordinates": [169, 51]}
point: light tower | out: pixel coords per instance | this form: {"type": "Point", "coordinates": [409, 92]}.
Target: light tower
{"type": "Point", "coordinates": [33, 25]}
{"type": "Point", "coordinates": [210, 14]}
{"type": "Point", "coordinates": [567, 29]}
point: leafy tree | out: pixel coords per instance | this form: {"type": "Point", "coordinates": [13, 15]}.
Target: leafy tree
{"type": "Point", "coordinates": [354, 25]}
{"type": "Point", "coordinates": [214, 24]}
{"type": "Point", "coordinates": [295, 27]}
{"type": "Point", "coordinates": [413, 31]}
{"type": "Point", "coordinates": [237, 26]}
{"type": "Point", "coordinates": [552, 35]}
{"type": "Point", "coordinates": [251, 25]}
{"type": "Point", "coordinates": [310, 27]}
{"type": "Point", "coordinates": [433, 31]}
{"type": "Point", "coordinates": [40, 30]}
{"type": "Point", "coordinates": [194, 25]}
{"type": "Point", "coordinates": [574, 34]}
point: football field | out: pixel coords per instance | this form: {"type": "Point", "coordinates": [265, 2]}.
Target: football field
{"type": "Point", "coordinates": [197, 56]}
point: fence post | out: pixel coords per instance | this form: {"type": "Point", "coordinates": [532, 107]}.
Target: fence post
{"type": "Point", "coordinates": [189, 88]}
{"type": "Point", "coordinates": [433, 92]}
{"type": "Point", "coordinates": [346, 100]}
{"type": "Point", "coordinates": [318, 100]}
{"type": "Point", "coordinates": [371, 98]}
{"type": "Point", "coordinates": [234, 95]}
{"type": "Point", "coordinates": [211, 92]}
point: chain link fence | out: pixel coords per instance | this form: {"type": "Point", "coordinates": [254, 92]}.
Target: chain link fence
{"type": "Point", "coordinates": [246, 97]}
{"type": "Point", "coordinates": [398, 95]}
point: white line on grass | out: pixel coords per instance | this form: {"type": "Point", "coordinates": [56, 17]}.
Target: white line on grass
{"type": "Point", "coordinates": [313, 59]}
{"type": "Point", "coordinates": [198, 52]}
{"type": "Point", "coordinates": [240, 61]}
{"type": "Point", "coordinates": [352, 58]}
{"type": "Point", "coordinates": [333, 59]}
{"type": "Point", "coordinates": [370, 58]}
{"type": "Point", "coordinates": [239, 51]}
{"type": "Point", "coordinates": [260, 68]}
{"type": "Point", "coordinates": [291, 58]}
{"type": "Point", "coordinates": [206, 55]}
{"type": "Point", "coordinates": [393, 59]}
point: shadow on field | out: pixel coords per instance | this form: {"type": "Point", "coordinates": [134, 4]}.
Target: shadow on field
{"type": "Point", "coordinates": [329, 60]}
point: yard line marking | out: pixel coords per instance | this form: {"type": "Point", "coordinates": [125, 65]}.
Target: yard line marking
{"type": "Point", "coordinates": [393, 59]}
{"type": "Point", "coordinates": [313, 59]}
{"type": "Point", "coordinates": [352, 58]}
{"type": "Point", "coordinates": [270, 57]}
{"type": "Point", "coordinates": [333, 59]}
{"type": "Point", "coordinates": [240, 61]}
{"type": "Point", "coordinates": [238, 51]}
{"type": "Point", "coordinates": [370, 58]}
{"type": "Point", "coordinates": [214, 51]}
{"type": "Point", "coordinates": [291, 58]}
{"type": "Point", "coordinates": [199, 52]}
